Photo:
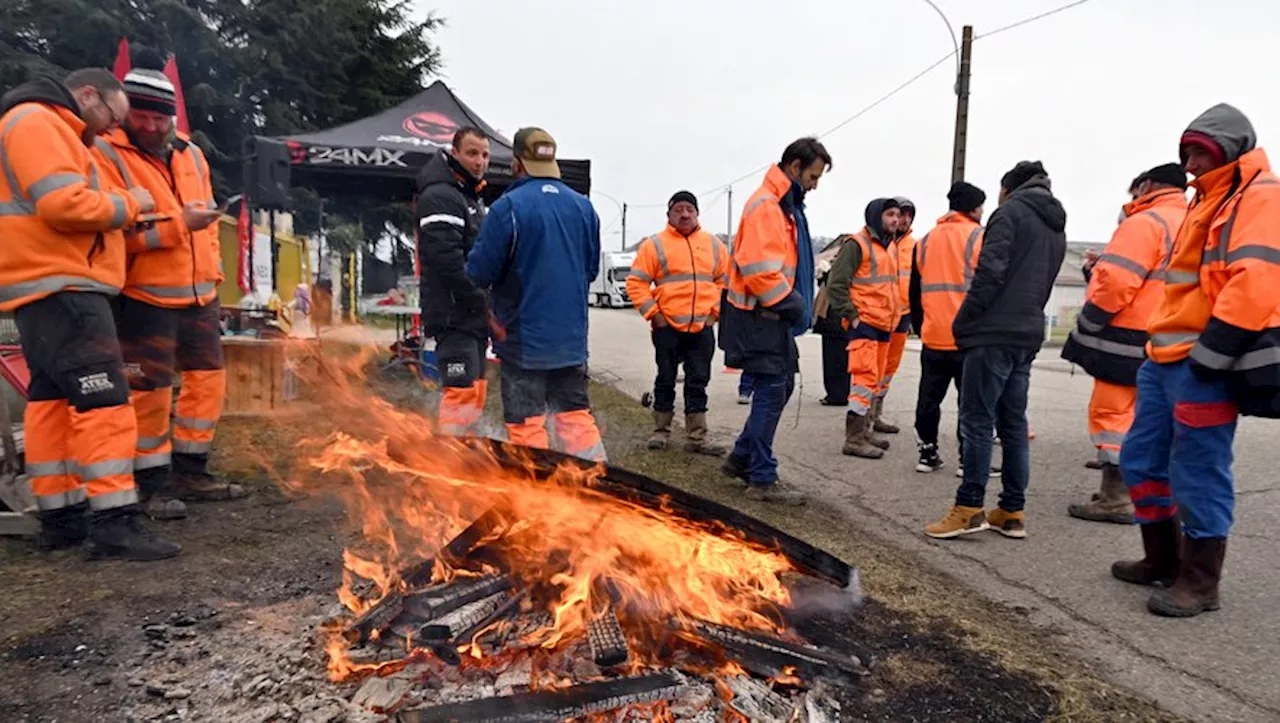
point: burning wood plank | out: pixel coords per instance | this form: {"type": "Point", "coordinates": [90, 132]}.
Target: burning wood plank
{"type": "Point", "coordinates": [608, 644]}
{"type": "Point", "coordinates": [439, 601]}
{"type": "Point", "coordinates": [378, 617]}
{"type": "Point", "coordinates": [782, 652]}
{"type": "Point", "coordinates": [555, 705]}
{"type": "Point", "coordinates": [453, 624]}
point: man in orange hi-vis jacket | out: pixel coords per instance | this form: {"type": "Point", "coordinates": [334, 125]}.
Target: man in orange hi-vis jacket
{"type": "Point", "coordinates": [904, 249]}
{"type": "Point", "coordinates": [769, 302]}
{"type": "Point", "coordinates": [676, 282]}
{"type": "Point", "coordinates": [1126, 284]}
{"type": "Point", "coordinates": [169, 318]}
{"type": "Point", "coordinates": [62, 258]}
{"type": "Point", "coordinates": [1213, 353]}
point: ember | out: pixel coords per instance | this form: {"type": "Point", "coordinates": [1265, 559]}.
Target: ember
{"type": "Point", "coordinates": [601, 590]}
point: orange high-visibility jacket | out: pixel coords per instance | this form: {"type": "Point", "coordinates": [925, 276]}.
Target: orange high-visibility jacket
{"type": "Point", "coordinates": [763, 271]}
{"type": "Point", "coordinates": [874, 286]}
{"type": "Point", "coordinates": [904, 251]}
{"type": "Point", "coordinates": [679, 277]}
{"type": "Point", "coordinates": [1125, 289]}
{"type": "Point", "coordinates": [944, 262]}
{"type": "Point", "coordinates": [169, 265]}
{"type": "Point", "coordinates": [1220, 305]}
{"type": "Point", "coordinates": [60, 217]}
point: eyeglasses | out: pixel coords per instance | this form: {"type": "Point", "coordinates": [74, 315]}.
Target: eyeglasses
{"type": "Point", "coordinates": [115, 121]}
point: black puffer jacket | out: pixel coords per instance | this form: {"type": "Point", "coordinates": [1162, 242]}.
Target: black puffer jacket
{"type": "Point", "coordinates": [449, 215]}
{"type": "Point", "coordinates": [1022, 251]}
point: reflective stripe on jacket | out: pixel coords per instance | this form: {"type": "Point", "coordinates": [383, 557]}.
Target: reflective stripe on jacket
{"type": "Point", "coordinates": [680, 277]}
{"type": "Point", "coordinates": [1125, 289]}
{"type": "Point", "coordinates": [904, 249]}
{"type": "Point", "coordinates": [944, 260]}
{"type": "Point", "coordinates": [60, 218]}
{"type": "Point", "coordinates": [169, 265]}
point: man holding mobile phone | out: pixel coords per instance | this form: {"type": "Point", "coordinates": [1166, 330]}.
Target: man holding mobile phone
{"type": "Point", "coordinates": [169, 317]}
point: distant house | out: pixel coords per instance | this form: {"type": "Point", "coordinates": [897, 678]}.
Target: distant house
{"type": "Point", "coordinates": [1067, 296]}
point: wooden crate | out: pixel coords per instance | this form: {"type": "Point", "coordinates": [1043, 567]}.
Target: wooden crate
{"type": "Point", "coordinates": [256, 376]}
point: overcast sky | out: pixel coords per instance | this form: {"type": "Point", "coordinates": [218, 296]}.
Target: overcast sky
{"type": "Point", "coordinates": [666, 94]}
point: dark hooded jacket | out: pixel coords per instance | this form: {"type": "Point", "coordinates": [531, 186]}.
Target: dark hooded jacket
{"type": "Point", "coordinates": [449, 215]}
{"type": "Point", "coordinates": [1022, 251]}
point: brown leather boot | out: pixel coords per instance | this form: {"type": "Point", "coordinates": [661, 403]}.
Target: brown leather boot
{"type": "Point", "coordinates": [1111, 504]}
{"type": "Point", "coordinates": [1196, 590]}
{"type": "Point", "coordinates": [1161, 543]}
{"type": "Point", "coordinates": [661, 429]}
{"type": "Point", "coordinates": [695, 427]}
{"type": "Point", "coordinates": [857, 431]}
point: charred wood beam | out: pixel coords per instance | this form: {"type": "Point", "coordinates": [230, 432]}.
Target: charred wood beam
{"type": "Point", "coordinates": [507, 609]}
{"type": "Point", "coordinates": [449, 626]}
{"type": "Point", "coordinates": [458, 548]}
{"type": "Point", "coordinates": [378, 617]}
{"type": "Point", "coordinates": [780, 652]}
{"type": "Point", "coordinates": [554, 705]}
{"type": "Point", "coordinates": [439, 601]}
{"type": "Point", "coordinates": [608, 643]}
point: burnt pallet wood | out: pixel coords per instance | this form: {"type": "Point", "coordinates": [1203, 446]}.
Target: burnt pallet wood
{"type": "Point", "coordinates": [606, 639]}
{"type": "Point", "coordinates": [379, 617]}
{"type": "Point", "coordinates": [553, 705]}
{"type": "Point", "coordinates": [658, 495]}
{"type": "Point", "coordinates": [457, 550]}
{"type": "Point", "coordinates": [780, 652]}
{"type": "Point", "coordinates": [436, 602]}
{"type": "Point", "coordinates": [448, 626]}
{"type": "Point", "coordinates": [507, 609]}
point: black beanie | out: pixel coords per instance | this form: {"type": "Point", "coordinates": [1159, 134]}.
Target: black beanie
{"type": "Point", "coordinates": [1169, 174]}
{"type": "Point", "coordinates": [685, 196]}
{"type": "Point", "coordinates": [1021, 173]}
{"type": "Point", "coordinates": [965, 197]}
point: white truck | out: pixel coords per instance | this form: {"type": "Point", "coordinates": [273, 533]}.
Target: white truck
{"type": "Point", "coordinates": [609, 288]}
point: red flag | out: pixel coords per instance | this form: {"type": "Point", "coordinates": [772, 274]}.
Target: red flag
{"type": "Point", "coordinates": [122, 66]}
{"type": "Point", "coordinates": [244, 237]}
{"type": "Point", "coordinates": [171, 72]}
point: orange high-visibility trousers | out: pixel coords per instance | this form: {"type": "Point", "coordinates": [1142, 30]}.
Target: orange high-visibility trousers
{"type": "Point", "coordinates": [1110, 416]}
{"type": "Point", "coordinates": [461, 408]}
{"type": "Point", "coordinates": [49, 465]}
{"type": "Point", "coordinates": [578, 435]}
{"type": "Point", "coordinates": [528, 395]}
{"type": "Point", "coordinates": [868, 360]}
{"type": "Point", "coordinates": [199, 408]}
{"type": "Point", "coordinates": [897, 346]}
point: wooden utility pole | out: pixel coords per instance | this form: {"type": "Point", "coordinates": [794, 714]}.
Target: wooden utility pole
{"type": "Point", "coordinates": [962, 106]}
{"type": "Point", "coordinates": [624, 227]}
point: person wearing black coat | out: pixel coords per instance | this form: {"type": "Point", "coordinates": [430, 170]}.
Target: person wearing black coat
{"type": "Point", "coordinates": [1000, 328]}
{"type": "Point", "coordinates": [454, 310]}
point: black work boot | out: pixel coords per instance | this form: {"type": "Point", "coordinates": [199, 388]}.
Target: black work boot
{"type": "Point", "coordinates": [1161, 543]}
{"type": "Point", "coordinates": [193, 482]}
{"type": "Point", "coordinates": [155, 490]}
{"type": "Point", "coordinates": [63, 528]}
{"type": "Point", "coordinates": [119, 533]}
{"type": "Point", "coordinates": [735, 468]}
{"type": "Point", "coordinates": [1196, 589]}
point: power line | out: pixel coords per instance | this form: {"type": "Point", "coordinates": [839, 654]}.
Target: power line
{"type": "Point", "coordinates": [913, 79]}
{"type": "Point", "coordinates": [1031, 19]}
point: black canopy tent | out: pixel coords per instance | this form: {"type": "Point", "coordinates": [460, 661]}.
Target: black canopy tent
{"type": "Point", "coordinates": [382, 155]}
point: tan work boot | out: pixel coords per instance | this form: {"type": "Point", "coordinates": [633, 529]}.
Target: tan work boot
{"type": "Point", "coordinates": [857, 430]}
{"type": "Point", "coordinates": [879, 424]}
{"type": "Point", "coordinates": [873, 427]}
{"type": "Point", "coordinates": [695, 427]}
{"type": "Point", "coordinates": [1111, 504]}
{"type": "Point", "coordinates": [958, 521]}
{"type": "Point", "coordinates": [661, 430]}
{"type": "Point", "coordinates": [1009, 524]}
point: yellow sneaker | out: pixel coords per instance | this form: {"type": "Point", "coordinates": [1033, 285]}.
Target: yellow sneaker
{"type": "Point", "coordinates": [959, 521]}
{"type": "Point", "coordinates": [1009, 524]}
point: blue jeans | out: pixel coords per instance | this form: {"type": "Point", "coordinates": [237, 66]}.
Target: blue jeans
{"type": "Point", "coordinates": [1179, 448]}
{"type": "Point", "coordinates": [755, 445]}
{"type": "Point", "coordinates": [993, 394]}
{"type": "Point", "coordinates": [745, 384]}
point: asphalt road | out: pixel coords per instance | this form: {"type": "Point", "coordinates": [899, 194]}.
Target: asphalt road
{"type": "Point", "coordinates": [1219, 666]}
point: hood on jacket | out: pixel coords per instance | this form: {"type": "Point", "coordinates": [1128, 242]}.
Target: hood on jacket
{"type": "Point", "coordinates": [1036, 195]}
{"type": "Point", "coordinates": [45, 89]}
{"type": "Point", "coordinates": [875, 216]}
{"type": "Point", "coordinates": [1229, 128]}
{"type": "Point", "coordinates": [442, 167]}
